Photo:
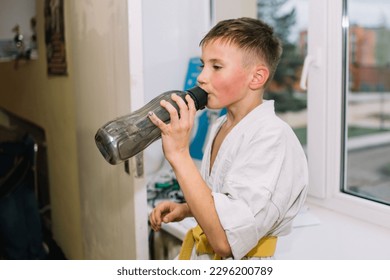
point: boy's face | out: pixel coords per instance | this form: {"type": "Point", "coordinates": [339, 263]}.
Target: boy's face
{"type": "Point", "coordinates": [224, 77]}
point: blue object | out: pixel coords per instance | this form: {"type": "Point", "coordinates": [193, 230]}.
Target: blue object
{"type": "Point", "coordinates": [197, 144]}
{"type": "Point", "coordinates": [194, 69]}
{"type": "Point", "coordinates": [20, 224]}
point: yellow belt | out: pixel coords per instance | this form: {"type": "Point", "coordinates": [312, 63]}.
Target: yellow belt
{"type": "Point", "coordinates": [195, 237]}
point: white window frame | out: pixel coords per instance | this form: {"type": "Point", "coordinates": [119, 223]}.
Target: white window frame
{"type": "Point", "coordinates": [325, 116]}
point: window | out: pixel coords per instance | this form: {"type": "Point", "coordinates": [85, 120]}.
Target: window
{"type": "Point", "coordinates": [331, 134]}
{"type": "Point", "coordinates": [367, 100]}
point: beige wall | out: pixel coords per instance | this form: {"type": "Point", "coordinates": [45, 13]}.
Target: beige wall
{"type": "Point", "coordinates": [91, 200]}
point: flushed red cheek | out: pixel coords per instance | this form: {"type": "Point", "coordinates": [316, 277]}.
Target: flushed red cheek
{"type": "Point", "coordinates": [228, 89]}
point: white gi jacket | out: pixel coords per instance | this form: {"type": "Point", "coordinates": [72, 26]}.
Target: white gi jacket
{"type": "Point", "coordinates": [259, 178]}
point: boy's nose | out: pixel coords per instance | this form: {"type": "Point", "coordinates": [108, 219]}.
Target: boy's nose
{"type": "Point", "coordinates": [201, 78]}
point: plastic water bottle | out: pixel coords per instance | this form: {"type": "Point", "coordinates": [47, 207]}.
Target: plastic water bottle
{"type": "Point", "coordinates": [124, 137]}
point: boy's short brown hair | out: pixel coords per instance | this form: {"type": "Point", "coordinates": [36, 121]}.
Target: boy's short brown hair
{"type": "Point", "coordinates": [253, 36]}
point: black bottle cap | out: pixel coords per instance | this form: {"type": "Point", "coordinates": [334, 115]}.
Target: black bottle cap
{"type": "Point", "coordinates": [199, 96]}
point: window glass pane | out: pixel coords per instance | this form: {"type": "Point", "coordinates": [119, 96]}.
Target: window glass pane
{"type": "Point", "coordinates": [289, 20]}
{"type": "Point", "coordinates": [367, 164]}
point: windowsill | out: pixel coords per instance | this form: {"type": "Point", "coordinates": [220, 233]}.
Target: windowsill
{"type": "Point", "coordinates": [6, 59]}
{"type": "Point", "coordinates": [33, 56]}
{"type": "Point", "coordinates": [336, 237]}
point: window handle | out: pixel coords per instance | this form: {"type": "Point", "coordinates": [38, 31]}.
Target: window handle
{"type": "Point", "coordinates": [310, 60]}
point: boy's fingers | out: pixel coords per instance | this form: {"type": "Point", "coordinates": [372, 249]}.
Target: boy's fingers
{"type": "Point", "coordinates": [190, 103]}
{"type": "Point", "coordinates": [157, 121]}
{"type": "Point", "coordinates": [167, 218]}
{"type": "Point", "coordinates": [174, 115]}
{"type": "Point", "coordinates": [155, 220]}
{"type": "Point", "coordinates": [181, 104]}
{"type": "Point", "coordinates": [192, 108]}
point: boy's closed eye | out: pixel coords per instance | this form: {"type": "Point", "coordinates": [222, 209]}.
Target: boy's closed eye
{"type": "Point", "coordinates": [215, 66]}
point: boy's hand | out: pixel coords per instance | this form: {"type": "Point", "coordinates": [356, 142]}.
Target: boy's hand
{"type": "Point", "coordinates": [176, 135]}
{"type": "Point", "coordinates": [168, 211]}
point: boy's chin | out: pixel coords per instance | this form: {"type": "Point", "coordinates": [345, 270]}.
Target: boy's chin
{"type": "Point", "coordinates": [212, 106]}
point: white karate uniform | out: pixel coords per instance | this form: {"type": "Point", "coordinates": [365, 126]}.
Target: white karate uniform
{"type": "Point", "coordinates": [259, 178]}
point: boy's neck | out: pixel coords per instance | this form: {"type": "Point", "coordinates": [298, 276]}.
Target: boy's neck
{"type": "Point", "coordinates": [236, 113]}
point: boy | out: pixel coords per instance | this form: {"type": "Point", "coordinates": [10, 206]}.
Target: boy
{"type": "Point", "coordinates": [253, 178]}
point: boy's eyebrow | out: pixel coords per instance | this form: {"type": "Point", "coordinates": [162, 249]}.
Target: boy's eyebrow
{"type": "Point", "coordinates": [212, 60]}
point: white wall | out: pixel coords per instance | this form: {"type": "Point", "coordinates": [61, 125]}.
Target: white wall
{"type": "Point", "coordinates": [172, 30]}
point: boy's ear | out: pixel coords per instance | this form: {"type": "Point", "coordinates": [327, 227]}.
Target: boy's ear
{"type": "Point", "coordinates": [259, 78]}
